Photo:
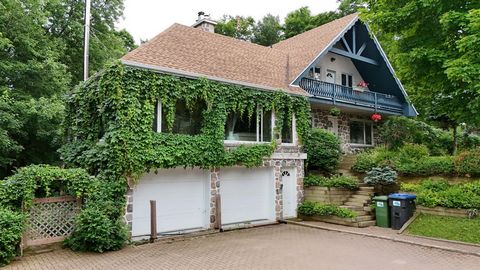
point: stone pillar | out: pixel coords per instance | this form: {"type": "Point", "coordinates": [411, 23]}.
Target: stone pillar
{"type": "Point", "coordinates": [214, 189]}
{"type": "Point", "coordinates": [129, 210]}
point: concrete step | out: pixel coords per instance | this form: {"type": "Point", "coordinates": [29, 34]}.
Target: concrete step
{"type": "Point", "coordinates": [363, 224]}
{"type": "Point", "coordinates": [367, 193]}
{"type": "Point", "coordinates": [364, 218]}
{"type": "Point", "coordinates": [358, 204]}
{"type": "Point", "coordinates": [364, 202]}
{"type": "Point", "coordinates": [368, 209]}
{"type": "Point", "coordinates": [367, 188]}
{"type": "Point", "coordinates": [353, 207]}
{"type": "Point", "coordinates": [361, 196]}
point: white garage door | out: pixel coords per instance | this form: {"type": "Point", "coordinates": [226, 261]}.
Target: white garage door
{"type": "Point", "coordinates": [247, 195]}
{"type": "Point", "coordinates": [182, 197]}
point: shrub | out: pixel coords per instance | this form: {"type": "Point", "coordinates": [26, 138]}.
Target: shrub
{"type": "Point", "coordinates": [442, 165]}
{"type": "Point", "coordinates": [377, 157]}
{"type": "Point", "coordinates": [318, 209]}
{"type": "Point", "coordinates": [96, 231]}
{"type": "Point", "coordinates": [412, 152]}
{"type": "Point", "coordinates": [381, 176]}
{"type": "Point", "coordinates": [323, 150]}
{"type": "Point", "coordinates": [346, 182]}
{"type": "Point", "coordinates": [11, 228]}
{"type": "Point", "coordinates": [468, 162]}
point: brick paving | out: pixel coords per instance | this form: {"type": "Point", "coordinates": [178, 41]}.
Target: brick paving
{"type": "Point", "coordinates": [273, 247]}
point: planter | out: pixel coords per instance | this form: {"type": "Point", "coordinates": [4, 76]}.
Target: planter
{"type": "Point", "coordinates": [443, 211]}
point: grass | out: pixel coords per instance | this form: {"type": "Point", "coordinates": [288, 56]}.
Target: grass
{"type": "Point", "coordinates": [450, 228]}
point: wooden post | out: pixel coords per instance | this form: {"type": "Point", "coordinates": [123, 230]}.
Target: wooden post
{"type": "Point", "coordinates": [218, 213]}
{"type": "Point", "coordinates": [153, 220]}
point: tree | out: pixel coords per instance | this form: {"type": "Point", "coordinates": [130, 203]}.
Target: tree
{"type": "Point", "coordinates": [298, 21]}
{"type": "Point", "coordinates": [268, 31]}
{"type": "Point", "coordinates": [238, 27]}
{"type": "Point", "coordinates": [435, 48]}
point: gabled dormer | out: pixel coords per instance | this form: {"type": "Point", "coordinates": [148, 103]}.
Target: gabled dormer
{"type": "Point", "coordinates": [349, 69]}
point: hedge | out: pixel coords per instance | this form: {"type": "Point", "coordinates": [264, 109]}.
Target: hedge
{"type": "Point", "coordinates": [11, 229]}
{"type": "Point", "coordinates": [338, 181]}
{"type": "Point", "coordinates": [323, 150]}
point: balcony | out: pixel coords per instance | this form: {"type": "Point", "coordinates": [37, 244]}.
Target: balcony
{"type": "Point", "coordinates": [346, 95]}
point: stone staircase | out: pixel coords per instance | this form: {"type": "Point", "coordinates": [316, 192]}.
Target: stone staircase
{"type": "Point", "coordinates": [360, 203]}
{"type": "Point", "coordinates": [345, 165]}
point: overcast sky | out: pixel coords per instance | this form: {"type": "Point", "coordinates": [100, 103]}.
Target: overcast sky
{"type": "Point", "coordinates": [146, 18]}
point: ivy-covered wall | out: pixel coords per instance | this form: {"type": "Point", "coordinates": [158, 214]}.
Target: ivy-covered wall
{"type": "Point", "coordinates": [109, 122]}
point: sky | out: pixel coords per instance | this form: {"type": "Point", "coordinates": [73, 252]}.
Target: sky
{"type": "Point", "coordinates": [144, 19]}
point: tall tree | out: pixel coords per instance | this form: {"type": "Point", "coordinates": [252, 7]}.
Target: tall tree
{"type": "Point", "coordinates": [238, 27]}
{"type": "Point", "coordinates": [298, 21]}
{"type": "Point", "coordinates": [435, 48]}
{"type": "Point", "coordinates": [268, 31]}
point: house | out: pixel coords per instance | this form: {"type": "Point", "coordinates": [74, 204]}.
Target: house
{"type": "Point", "coordinates": [339, 64]}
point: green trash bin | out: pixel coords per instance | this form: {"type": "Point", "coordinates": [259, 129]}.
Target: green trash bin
{"type": "Point", "coordinates": [382, 211]}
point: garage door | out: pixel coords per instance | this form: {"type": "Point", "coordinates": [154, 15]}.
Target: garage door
{"type": "Point", "coordinates": [247, 195]}
{"type": "Point", "coordinates": [182, 197]}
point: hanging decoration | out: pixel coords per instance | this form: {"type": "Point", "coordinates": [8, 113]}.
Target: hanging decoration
{"type": "Point", "coordinates": [376, 117]}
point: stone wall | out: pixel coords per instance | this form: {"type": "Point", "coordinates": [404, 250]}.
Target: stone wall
{"type": "Point", "coordinates": [340, 125]}
{"type": "Point", "coordinates": [336, 196]}
{"type": "Point", "coordinates": [442, 211]}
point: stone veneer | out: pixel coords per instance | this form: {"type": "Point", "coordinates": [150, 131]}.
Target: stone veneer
{"type": "Point", "coordinates": [321, 118]}
{"type": "Point", "coordinates": [285, 157]}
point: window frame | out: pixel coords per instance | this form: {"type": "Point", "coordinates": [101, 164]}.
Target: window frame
{"type": "Point", "coordinates": [159, 118]}
{"type": "Point", "coordinates": [259, 129]}
{"type": "Point", "coordinates": [364, 121]}
{"type": "Point", "coordinates": [347, 75]}
{"type": "Point", "coordinates": [293, 126]}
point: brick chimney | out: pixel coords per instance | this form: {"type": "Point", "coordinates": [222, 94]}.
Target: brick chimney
{"type": "Point", "coordinates": [204, 22]}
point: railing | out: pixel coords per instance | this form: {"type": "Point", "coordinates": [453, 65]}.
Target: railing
{"type": "Point", "coordinates": [342, 94]}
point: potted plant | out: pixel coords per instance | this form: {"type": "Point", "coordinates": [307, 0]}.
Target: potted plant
{"type": "Point", "coordinates": [376, 117]}
{"type": "Point", "coordinates": [361, 86]}
{"type": "Point", "coordinates": [335, 111]}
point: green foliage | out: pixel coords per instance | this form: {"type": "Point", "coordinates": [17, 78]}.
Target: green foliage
{"type": "Point", "coordinates": [431, 193]}
{"type": "Point", "coordinates": [318, 209]}
{"type": "Point", "coordinates": [268, 31]}
{"type": "Point", "coordinates": [442, 165]}
{"type": "Point", "coordinates": [381, 176]}
{"type": "Point", "coordinates": [11, 229]}
{"type": "Point", "coordinates": [438, 61]}
{"type": "Point", "coordinates": [96, 231]}
{"type": "Point", "coordinates": [450, 228]}
{"type": "Point", "coordinates": [236, 26]}
{"type": "Point", "coordinates": [338, 181]}
{"type": "Point", "coordinates": [41, 181]}
{"type": "Point", "coordinates": [323, 150]}
{"type": "Point", "coordinates": [468, 162]}
{"type": "Point", "coordinates": [335, 111]}
{"type": "Point", "coordinates": [412, 152]}
{"type": "Point", "coordinates": [377, 157]}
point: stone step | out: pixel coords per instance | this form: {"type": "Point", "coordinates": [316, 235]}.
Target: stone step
{"type": "Point", "coordinates": [363, 224]}
{"type": "Point", "coordinates": [367, 193]}
{"type": "Point", "coordinates": [353, 207]}
{"type": "Point", "coordinates": [362, 213]}
{"type": "Point", "coordinates": [368, 209]}
{"type": "Point", "coordinates": [355, 200]}
{"type": "Point", "coordinates": [364, 218]}
{"type": "Point", "coordinates": [366, 188]}
{"type": "Point", "coordinates": [359, 204]}
{"type": "Point", "coordinates": [361, 196]}
{"type": "Point", "coordinates": [362, 185]}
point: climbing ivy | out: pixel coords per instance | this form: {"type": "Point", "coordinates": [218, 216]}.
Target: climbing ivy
{"type": "Point", "coordinates": [109, 122]}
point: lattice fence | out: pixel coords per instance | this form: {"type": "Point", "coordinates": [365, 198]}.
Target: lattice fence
{"type": "Point", "coordinates": [50, 220]}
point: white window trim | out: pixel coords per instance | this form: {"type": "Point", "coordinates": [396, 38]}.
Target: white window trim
{"type": "Point", "coordinates": [364, 134]}
{"type": "Point", "coordinates": [294, 133]}
{"type": "Point", "coordinates": [259, 127]}
{"type": "Point", "coordinates": [158, 128]}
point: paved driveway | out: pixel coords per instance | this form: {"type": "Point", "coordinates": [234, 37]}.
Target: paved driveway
{"type": "Point", "coordinates": [272, 247]}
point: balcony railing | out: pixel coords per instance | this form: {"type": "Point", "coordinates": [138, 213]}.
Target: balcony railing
{"type": "Point", "coordinates": [343, 94]}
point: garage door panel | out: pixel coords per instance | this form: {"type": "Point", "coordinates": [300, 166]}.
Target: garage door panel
{"type": "Point", "coordinates": [247, 194]}
{"type": "Point", "coordinates": [181, 200]}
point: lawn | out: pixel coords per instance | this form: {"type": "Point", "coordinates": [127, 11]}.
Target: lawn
{"type": "Point", "coordinates": [451, 228]}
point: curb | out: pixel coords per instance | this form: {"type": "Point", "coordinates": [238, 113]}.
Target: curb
{"type": "Point", "coordinates": [385, 238]}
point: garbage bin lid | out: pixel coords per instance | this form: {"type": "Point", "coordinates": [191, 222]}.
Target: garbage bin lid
{"type": "Point", "coordinates": [402, 196]}
{"type": "Point", "coordinates": [380, 198]}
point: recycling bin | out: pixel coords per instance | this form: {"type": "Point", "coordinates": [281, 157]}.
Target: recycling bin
{"type": "Point", "coordinates": [402, 207]}
{"type": "Point", "coordinates": [382, 211]}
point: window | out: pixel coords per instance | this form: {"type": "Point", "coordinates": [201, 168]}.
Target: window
{"type": "Point", "coordinates": [288, 131]}
{"type": "Point", "coordinates": [257, 129]}
{"type": "Point", "coordinates": [187, 121]}
{"type": "Point", "coordinates": [347, 80]}
{"type": "Point", "coordinates": [361, 132]}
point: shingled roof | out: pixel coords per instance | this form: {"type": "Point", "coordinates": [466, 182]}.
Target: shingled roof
{"type": "Point", "coordinates": [191, 52]}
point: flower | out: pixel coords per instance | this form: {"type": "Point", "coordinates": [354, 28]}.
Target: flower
{"type": "Point", "coordinates": [362, 84]}
{"type": "Point", "coordinates": [376, 117]}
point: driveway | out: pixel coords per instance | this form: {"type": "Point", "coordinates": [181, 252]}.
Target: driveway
{"type": "Point", "coordinates": [273, 247]}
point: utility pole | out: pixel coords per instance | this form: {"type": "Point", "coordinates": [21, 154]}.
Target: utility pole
{"type": "Point", "coordinates": [86, 40]}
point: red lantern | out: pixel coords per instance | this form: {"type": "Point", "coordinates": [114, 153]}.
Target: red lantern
{"type": "Point", "coordinates": [376, 117]}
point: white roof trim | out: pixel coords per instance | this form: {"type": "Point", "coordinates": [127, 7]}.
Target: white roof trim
{"type": "Point", "coordinates": [389, 65]}
{"type": "Point", "coordinates": [204, 20]}
{"type": "Point", "coordinates": [326, 49]}
{"type": "Point", "coordinates": [193, 75]}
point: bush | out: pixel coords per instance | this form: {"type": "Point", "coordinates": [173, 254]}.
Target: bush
{"type": "Point", "coordinates": [377, 157]}
{"type": "Point", "coordinates": [96, 231]}
{"type": "Point", "coordinates": [318, 209]}
{"type": "Point", "coordinates": [442, 165]}
{"type": "Point", "coordinates": [411, 152]}
{"type": "Point", "coordinates": [381, 176]}
{"type": "Point", "coordinates": [468, 162]}
{"type": "Point", "coordinates": [11, 228]}
{"type": "Point", "coordinates": [323, 150]}
{"type": "Point", "coordinates": [346, 182]}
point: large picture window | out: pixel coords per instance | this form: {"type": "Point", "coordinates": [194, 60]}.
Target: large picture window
{"type": "Point", "coordinates": [187, 121]}
{"type": "Point", "coordinates": [256, 129]}
{"type": "Point", "coordinates": [361, 132]}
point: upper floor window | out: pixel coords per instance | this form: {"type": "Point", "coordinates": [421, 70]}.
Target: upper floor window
{"type": "Point", "coordinates": [258, 128]}
{"type": "Point", "coordinates": [347, 80]}
{"type": "Point", "coordinates": [361, 132]}
{"type": "Point", "coordinates": [187, 120]}
{"type": "Point", "coordinates": [288, 131]}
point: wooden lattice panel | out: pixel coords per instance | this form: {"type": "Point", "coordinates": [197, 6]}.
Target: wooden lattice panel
{"type": "Point", "coordinates": [50, 220]}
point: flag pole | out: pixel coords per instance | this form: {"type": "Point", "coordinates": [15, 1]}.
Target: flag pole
{"type": "Point", "coordinates": [86, 40]}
